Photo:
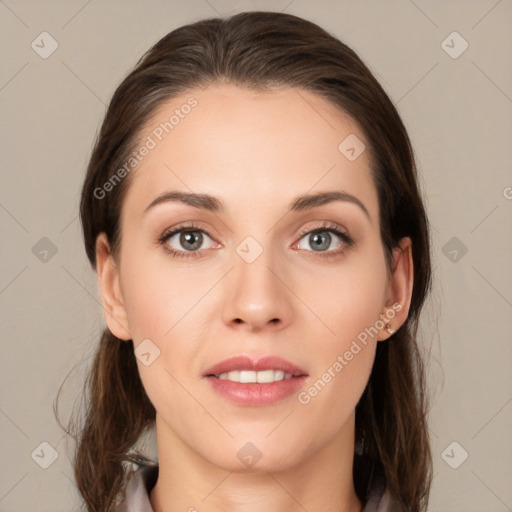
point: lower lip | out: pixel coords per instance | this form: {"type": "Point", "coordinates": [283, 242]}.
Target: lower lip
{"type": "Point", "coordinates": [254, 393]}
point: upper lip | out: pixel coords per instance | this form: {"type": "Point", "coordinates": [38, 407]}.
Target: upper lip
{"type": "Point", "coordinates": [247, 363]}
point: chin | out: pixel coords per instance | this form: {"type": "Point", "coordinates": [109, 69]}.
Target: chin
{"type": "Point", "coordinates": [256, 457]}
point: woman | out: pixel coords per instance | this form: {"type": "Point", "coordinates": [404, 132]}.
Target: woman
{"type": "Point", "coordinates": [252, 211]}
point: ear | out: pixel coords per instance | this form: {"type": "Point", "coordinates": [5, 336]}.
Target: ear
{"type": "Point", "coordinates": [110, 289]}
{"type": "Point", "coordinates": [399, 294]}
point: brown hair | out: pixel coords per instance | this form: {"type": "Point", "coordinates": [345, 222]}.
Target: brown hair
{"type": "Point", "coordinates": [260, 50]}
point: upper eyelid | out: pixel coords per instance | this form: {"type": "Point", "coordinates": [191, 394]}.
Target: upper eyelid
{"type": "Point", "coordinates": [325, 226]}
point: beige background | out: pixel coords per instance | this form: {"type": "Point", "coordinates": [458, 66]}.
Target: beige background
{"type": "Point", "coordinates": [458, 112]}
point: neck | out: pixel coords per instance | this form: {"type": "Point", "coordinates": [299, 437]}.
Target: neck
{"type": "Point", "coordinates": [188, 482]}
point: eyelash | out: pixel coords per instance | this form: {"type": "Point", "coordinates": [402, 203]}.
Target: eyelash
{"type": "Point", "coordinates": [326, 226]}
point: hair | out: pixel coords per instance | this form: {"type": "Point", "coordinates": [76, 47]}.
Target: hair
{"type": "Point", "coordinates": [260, 51]}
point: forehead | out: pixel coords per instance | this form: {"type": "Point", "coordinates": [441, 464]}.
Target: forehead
{"type": "Point", "coordinates": [247, 146]}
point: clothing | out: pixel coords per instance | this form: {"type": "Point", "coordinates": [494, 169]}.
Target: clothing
{"type": "Point", "coordinates": [144, 478]}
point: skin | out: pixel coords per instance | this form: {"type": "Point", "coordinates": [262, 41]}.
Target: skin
{"type": "Point", "coordinates": [256, 152]}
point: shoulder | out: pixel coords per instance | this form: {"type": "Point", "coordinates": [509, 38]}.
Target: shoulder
{"type": "Point", "coordinates": [140, 483]}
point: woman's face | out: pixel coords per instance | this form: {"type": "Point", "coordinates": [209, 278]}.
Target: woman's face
{"type": "Point", "coordinates": [245, 276]}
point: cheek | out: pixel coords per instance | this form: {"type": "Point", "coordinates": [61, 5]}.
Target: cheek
{"type": "Point", "coordinates": [347, 299]}
{"type": "Point", "coordinates": [332, 396]}
{"type": "Point", "coordinates": [343, 362]}
{"type": "Point", "coordinates": [163, 305]}
{"type": "Point", "coordinates": [158, 295]}
{"type": "Point", "coordinates": [349, 303]}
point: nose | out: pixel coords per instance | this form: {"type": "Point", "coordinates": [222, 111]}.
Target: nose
{"type": "Point", "coordinates": [256, 295]}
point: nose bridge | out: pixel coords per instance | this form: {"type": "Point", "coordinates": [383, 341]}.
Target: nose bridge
{"type": "Point", "coordinates": [254, 294]}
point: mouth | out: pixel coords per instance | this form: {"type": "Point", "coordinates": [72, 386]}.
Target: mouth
{"type": "Point", "coordinates": [245, 369]}
{"type": "Point", "coordinates": [250, 382]}
{"type": "Point", "coordinates": [248, 376]}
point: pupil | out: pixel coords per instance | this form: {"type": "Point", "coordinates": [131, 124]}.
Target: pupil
{"type": "Point", "coordinates": [188, 238]}
{"type": "Point", "coordinates": [320, 241]}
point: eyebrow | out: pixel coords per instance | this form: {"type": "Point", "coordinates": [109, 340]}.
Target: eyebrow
{"type": "Point", "coordinates": [300, 203]}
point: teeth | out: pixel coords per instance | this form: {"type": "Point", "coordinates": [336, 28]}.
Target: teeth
{"type": "Point", "coordinates": [248, 376]}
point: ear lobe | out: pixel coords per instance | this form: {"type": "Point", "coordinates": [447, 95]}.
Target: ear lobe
{"type": "Point", "coordinates": [401, 285]}
{"type": "Point", "coordinates": [110, 290]}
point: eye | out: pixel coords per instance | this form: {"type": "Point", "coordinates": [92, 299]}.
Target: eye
{"type": "Point", "coordinates": [323, 238]}
{"type": "Point", "coordinates": [185, 239]}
